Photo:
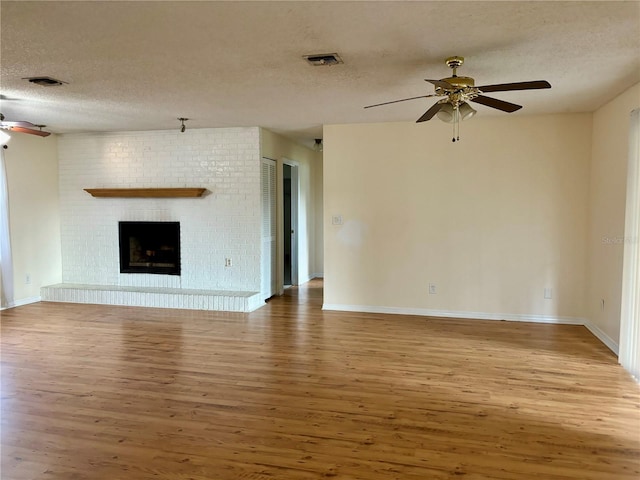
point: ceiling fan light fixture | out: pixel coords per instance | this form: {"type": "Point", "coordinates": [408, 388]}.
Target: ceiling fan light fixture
{"type": "Point", "coordinates": [317, 146]}
{"type": "Point", "coordinates": [466, 111]}
{"type": "Point", "coordinates": [446, 113]}
{"type": "Point", "coordinates": [183, 127]}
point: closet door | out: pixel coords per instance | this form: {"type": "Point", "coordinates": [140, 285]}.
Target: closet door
{"type": "Point", "coordinates": [268, 269]}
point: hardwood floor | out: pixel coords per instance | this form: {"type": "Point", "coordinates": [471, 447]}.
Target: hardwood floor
{"type": "Point", "coordinates": [292, 392]}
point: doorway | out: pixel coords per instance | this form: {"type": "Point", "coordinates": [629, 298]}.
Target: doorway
{"type": "Point", "coordinates": [290, 223]}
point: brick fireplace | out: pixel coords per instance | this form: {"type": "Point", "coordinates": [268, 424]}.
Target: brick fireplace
{"type": "Point", "coordinates": [224, 223]}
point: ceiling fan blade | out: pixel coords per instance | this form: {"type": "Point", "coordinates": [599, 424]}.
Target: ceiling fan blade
{"type": "Point", "coordinates": [402, 100]}
{"type": "Point", "coordinates": [17, 124]}
{"type": "Point", "coordinates": [440, 83]}
{"type": "Point", "coordinates": [495, 103]}
{"type": "Point", "coordinates": [428, 115]}
{"type": "Point", "coordinates": [31, 131]}
{"type": "Point", "coordinates": [504, 87]}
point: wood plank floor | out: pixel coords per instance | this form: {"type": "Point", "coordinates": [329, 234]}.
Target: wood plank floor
{"type": "Point", "coordinates": [292, 392]}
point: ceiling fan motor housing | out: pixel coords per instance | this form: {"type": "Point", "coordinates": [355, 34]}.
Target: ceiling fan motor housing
{"type": "Point", "coordinates": [460, 82]}
{"type": "Point", "coordinates": [457, 82]}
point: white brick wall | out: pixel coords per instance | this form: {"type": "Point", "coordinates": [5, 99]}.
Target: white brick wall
{"type": "Point", "coordinates": [223, 224]}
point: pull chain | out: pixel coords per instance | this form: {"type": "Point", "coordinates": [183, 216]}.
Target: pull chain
{"type": "Point", "coordinates": [456, 125]}
{"type": "Point", "coordinates": [453, 126]}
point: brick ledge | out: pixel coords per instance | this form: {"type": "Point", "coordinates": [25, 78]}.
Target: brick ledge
{"type": "Point", "coordinates": [158, 297]}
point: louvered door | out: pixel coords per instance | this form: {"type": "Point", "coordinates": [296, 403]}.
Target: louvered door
{"type": "Point", "coordinates": [268, 268]}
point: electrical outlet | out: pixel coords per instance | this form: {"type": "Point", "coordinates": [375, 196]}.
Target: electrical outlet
{"type": "Point", "coordinates": [228, 262]}
{"type": "Point", "coordinates": [548, 293]}
{"type": "Point", "coordinates": [27, 279]}
{"type": "Point", "coordinates": [336, 220]}
{"type": "Point", "coordinates": [432, 289]}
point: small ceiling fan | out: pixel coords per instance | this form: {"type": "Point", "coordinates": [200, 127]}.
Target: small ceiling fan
{"type": "Point", "coordinates": [458, 91]}
{"type": "Point", "coordinates": [23, 127]}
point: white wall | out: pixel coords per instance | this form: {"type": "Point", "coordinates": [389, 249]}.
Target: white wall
{"type": "Point", "coordinates": [280, 149]}
{"type": "Point", "coordinates": [610, 144]}
{"type": "Point", "coordinates": [223, 224]}
{"type": "Point", "coordinates": [32, 177]}
{"type": "Point", "coordinates": [492, 220]}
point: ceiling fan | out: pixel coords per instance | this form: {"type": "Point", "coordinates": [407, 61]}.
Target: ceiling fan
{"type": "Point", "coordinates": [23, 127]}
{"type": "Point", "coordinates": [458, 91]}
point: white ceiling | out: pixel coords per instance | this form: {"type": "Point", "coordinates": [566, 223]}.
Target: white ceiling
{"type": "Point", "coordinates": [140, 65]}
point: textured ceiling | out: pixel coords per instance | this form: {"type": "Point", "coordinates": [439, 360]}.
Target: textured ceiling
{"type": "Point", "coordinates": [140, 65]}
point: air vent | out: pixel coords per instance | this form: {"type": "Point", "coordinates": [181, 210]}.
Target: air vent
{"type": "Point", "coordinates": [323, 59]}
{"type": "Point", "coordinates": [45, 81]}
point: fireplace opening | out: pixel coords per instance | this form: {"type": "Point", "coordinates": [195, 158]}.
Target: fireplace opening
{"type": "Point", "coordinates": [150, 247]}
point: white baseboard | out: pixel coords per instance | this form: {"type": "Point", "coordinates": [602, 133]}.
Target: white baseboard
{"type": "Point", "coordinates": [425, 312]}
{"type": "Point", "coordinates": [317, 275]}
{"type": "Point", "coordinates": [22, 301]}
{"type": "Point", "coordinates": [603, 337]}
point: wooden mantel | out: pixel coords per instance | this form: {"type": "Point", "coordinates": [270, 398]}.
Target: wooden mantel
{"type": "Point", "coordinates": [146, 192]}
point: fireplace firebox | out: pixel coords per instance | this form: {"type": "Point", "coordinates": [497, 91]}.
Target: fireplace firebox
{"type": "Point", "coordinates": [150, 247]}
